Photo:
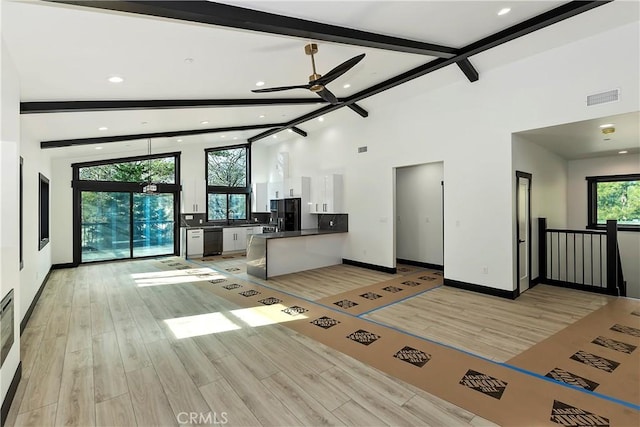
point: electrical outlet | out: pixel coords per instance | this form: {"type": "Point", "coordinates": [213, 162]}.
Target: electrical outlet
{"type": "Point", "coordinates": [330, 223]}
{"type": "Point", "coordinates": [485, 270]}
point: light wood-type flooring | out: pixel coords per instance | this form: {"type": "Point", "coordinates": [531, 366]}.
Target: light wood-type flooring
{"type": "Point", "coordinates": [101, 349]}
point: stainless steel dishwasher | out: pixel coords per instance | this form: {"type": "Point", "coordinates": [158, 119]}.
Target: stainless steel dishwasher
{"type": "Point", "coordinates": [212, 241]}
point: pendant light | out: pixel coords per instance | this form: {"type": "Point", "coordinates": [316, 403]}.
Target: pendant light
{"type": "Point", "coordinates": [150, 187]}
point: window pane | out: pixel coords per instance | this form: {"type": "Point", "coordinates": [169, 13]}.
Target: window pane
{"type": "Point", "coordinates": [227, 168]}
{"type": "Point", "coordinates": [619, 200]}
{"type": "Point", "coordinates": [105, 226]}
{"type": "Point", "coordinates": [217, 204]}
{"type": "Point", "coordinates": [237, 206]}
{"type": "Point", "coordinates": [163, 171]}
{"type": "Point", "coordinates": [152, 224]}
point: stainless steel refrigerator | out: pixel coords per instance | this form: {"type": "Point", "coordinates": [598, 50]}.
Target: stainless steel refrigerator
{"type": "Point", "coordinates": [285, 214]}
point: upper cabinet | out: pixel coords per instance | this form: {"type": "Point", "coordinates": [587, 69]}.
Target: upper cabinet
{"type": "Point", "coordinates": [275, 190]}
{"type": "Point", "coordinates": [194, 196]}
{"type": "Point", "coordinates": [259, 197]}
{"type": "Point", "coordinates": [297, 187]}
{"type": "Point", "coordinates": [327, 194]}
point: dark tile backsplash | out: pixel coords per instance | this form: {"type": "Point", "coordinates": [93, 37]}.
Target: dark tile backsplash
{"type": "Point", "coordinates": [263, 217]}
{"type": "Point", "coordinates": [338, 222]}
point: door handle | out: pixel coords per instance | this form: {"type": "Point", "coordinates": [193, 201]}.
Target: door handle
{"type": "Point", "coordinates": [521, 241]}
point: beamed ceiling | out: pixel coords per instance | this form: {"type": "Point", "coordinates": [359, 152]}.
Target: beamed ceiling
{"type": "Point", "coordinates": [189, 66]}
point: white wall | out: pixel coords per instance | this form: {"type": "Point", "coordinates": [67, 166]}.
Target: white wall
{"type": "Point", "coordinates": [469, 127]}
{"type": "Point", "coordinates": [37, 263]}
{"type": "Point", "coordinates": [419, 220]}
{"type": "Point", "coordinates": [548, 190]}
{"type": "Point", "coordinates": [9, 205]}
{"type": "Point", "coordinates": [628, 241]}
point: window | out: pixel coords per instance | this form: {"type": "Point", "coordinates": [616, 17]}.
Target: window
{"type": "Point", "coordinates": [43, 210]}
{"type": "Point", "coordinates": [159, 170]}
{"type": "Point", "coordinates": [614, 197]}
{"type": "Point", "coordinates": [227, 183]}
{"type": "Point", "coordinates": [114, 219]}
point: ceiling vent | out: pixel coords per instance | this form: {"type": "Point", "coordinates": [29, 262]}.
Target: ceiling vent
{"type": "Point", "coordinates": [362, 149]}
{"type": "Point", "coordinates": [603, 97]}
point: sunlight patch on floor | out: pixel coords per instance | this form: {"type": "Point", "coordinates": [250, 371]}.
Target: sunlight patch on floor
{"type": "Point", "coordinates": [158, 278]}
{"type": "Point", "coordinates": [201, 324]}
{"type": "Point", "coordinates": [214, 323]}
{"type": "Point", "coordinates": [265, 315]}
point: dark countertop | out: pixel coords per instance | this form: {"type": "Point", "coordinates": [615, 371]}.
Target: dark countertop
{"type": "Point", "coordinates": [299, 233]}
{"type": "Point", "coordinates": [208, 226]}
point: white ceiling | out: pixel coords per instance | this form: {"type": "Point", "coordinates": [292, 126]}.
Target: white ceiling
{"type": "Point", "coordinates": [66, 53]}
{"type": "Point", "coordinates": [585, 139]}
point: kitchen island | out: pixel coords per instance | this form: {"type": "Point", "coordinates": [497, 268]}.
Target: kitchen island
{"type": "Point", "coordinates": [274, 254]}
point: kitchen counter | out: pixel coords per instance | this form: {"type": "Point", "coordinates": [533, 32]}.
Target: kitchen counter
{"type": "Point", "coordinates": [299, 233]}
{"type": "Point", "coordinates": [274, 254]}
{"type": "Point", "coordinates": [209, 226]}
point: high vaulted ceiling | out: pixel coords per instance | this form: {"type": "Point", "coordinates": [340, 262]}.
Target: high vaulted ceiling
{"type": "Point", "coordinates": [66, 52]}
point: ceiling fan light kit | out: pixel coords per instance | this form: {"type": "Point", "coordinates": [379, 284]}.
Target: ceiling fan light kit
{"type": "Point", "coordinates": [317, 82]}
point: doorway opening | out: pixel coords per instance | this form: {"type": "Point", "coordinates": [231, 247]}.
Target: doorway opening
{"type": "Point", "coordinates": [419, 215]}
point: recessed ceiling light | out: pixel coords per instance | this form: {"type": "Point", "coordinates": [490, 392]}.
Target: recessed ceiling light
{"type": "Point", "coordinates": [98, 148]}
{"type": "Point", "coordinates": [188, 60]}
{"type": "Point", "coordinates": [606, 125]}
{"type": "Point", "coordinates": [235, 137]}
{"type": "Point", "coordinates": [346, 86]}
{"type": "Point", "coordinates": [275, 136]}
{"type": "Point", "coordinates": [260, 83]}
{"type": "Point", "coordinates": [504, 11]}
{"type": "Point", "coordinates": [321, 119]}
{"type": "Point", "coordinates": [261, 116]}
{"type": "Point", "coordinates": [179, 140]}
{"type": "Point", "coordinates": [143, 123]}
{"type": "Point", "coordinates": [623, 152]}
{"type": "Point", "coordinates": [115, 79]}
{"type": "Point", "coordinates": [103, 128]}
{"type": "Point", "coordinates": [204, 122]}
{"type": "Point", "coordinates": [223, 136]}
{"type": "Point", "coordinates": [290, 130]}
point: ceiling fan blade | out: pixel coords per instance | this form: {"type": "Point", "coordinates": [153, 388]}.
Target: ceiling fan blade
{"type": "Point", "coordinates": [276, 89]}
{"type": "Point", "coordinates": [339, 70]}
{"type": "Point", "coordinates": [328, 96]}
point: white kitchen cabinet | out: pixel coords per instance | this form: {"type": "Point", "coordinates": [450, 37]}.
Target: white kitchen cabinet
{"type": "Point", "coordinates": [194, 196]}
{"type": "Point", "coordinates": [275, 190]}
{"type": "Point", "coordinates": [195, 243]}
{"type": "Point", "coordinates": [327, 194]}
{"type": "Point", "coordinates": [234, 239]}
{"type": "Point", "coordinates": [259, 197]}
{"type": "Point", "coordinates": [297, 187]}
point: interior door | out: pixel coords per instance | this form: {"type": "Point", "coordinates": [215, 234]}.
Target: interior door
{"type": "Point", "coordinates": [523, 229]}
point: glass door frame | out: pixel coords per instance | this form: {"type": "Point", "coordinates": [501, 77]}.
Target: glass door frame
{"type": "Point", "coordinates": [131, 187]}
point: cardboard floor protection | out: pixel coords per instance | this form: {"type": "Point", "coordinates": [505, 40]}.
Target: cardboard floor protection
{"type": "Point", "coordinates": [598, 352]}
{"type": "Point", "coordinates": [367, 298]}
{"type": "Point", "coordinates": [497, 392]}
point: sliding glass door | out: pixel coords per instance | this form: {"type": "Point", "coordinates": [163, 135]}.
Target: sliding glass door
{"type": "Point", "coordinates": [113, 219]}
{"type": "Point", "coordinates": [153, 224]}
{"type": "Point", "coordinates": [119, 225]}
{"type": "Point", "coordinates": [106, 225]}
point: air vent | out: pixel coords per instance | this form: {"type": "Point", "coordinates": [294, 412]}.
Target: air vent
{"type": "Point", "coordinates": [603, 97]}
{"type": "Point", "coordinates": [362, 149]}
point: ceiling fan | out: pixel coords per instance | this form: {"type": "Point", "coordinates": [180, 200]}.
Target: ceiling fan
{"type": "Point", "coordinates": [318, 82]}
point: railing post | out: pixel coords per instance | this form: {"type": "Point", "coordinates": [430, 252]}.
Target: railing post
{"type": "Point", "coordinates": [542, 249]}
{"type": "Point", "coordinates": [612, 253]}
